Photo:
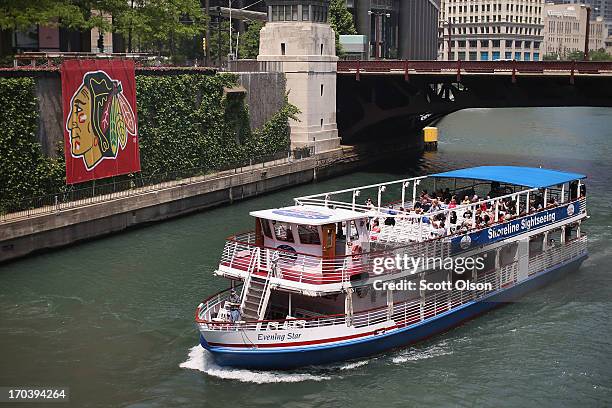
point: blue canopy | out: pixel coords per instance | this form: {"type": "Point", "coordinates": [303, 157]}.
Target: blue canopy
{"type": "Point", "coordinates": [521, 176]}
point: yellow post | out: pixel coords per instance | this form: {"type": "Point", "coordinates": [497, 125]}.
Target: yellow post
{"type": "Point", "coordinates": [430, 137]}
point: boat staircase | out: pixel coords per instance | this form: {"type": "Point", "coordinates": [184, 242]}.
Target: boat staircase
{"type": "Point", "coordinates": [255, 292]}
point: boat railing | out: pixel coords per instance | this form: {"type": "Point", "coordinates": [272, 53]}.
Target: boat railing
{"type": "Point", "coordinates": [557, 253]}
{"type": "Point", "coordinates": [402, 313]}
{"type": "Point", "coordinates": [240, 249]}
{"type": "Point", "coordinates": [423, 221]}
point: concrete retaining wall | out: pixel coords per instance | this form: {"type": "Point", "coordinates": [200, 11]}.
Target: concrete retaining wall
{"type": "Point", "coordinates": [265, 95]}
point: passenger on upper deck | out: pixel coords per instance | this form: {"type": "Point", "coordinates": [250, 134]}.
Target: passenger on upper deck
{"type": "Point", "coordinates": [375, 225]}
{"type": "Point", "coordinates": [435, 206]}
{"type": "Point", "coordinates": [496, 190]}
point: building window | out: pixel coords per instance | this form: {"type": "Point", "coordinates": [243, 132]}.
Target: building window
{"type": "Point", "coordinates": [536, 45]}
{"type": "Point", "coordinates": [536, 56]}
{"type": "Point", "coordinates": [282, 48]}
{"type": "Point", "coordinates": [473, 44]}
{"type": "Point", "coordinates": [496, 43]}
{"type": "Point", "coordinates": [484, 43]}
{"type": "Point", "coordinates": [461, 55]}
{"type": "Point", "coordinates": [275, 13]}
{"type": "Point", "coordinates": [473, 55]}
{"type": "Point", "coordinates": [321, 49]}
{"type": "Point", "coordinates": [461, 44]}
{"type": "Point", "coordinates": [508, 43]}
{"type": "Point", "coordinates": [321, 89]}
{"type": "Point", "coordinates": [294, 12]}
{"type": "Point", "coordinates": [484, 56]}
{"type": "Point", "coordinates": [305, 15]}
{"type": "Point", "coordinates": [508, 56]}
{"type": "Point", "coordinates": [517, 56]}
{"type": "Point", "coordinates": [321, 122]}
{"type": "Point", "coordinates": [518, 44]}
{"type": "Point", "coordinates": [527, 56]}
{"type": "Point", "coordinates": [495, 55]}
{"type": "Point", "coordinates": [527, 44]}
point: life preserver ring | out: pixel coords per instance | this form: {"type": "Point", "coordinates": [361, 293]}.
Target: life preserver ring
{"type": "Point", "coordinates": [356, 251]}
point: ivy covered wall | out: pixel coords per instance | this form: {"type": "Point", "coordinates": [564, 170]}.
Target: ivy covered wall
{"type": "Point", "coordinates": [24, 170]}
{"type": "Point", "coordinates": [187, 124]}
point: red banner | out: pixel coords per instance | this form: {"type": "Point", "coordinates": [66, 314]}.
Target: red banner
{"type": "Point", "coordinates": [100, 122]}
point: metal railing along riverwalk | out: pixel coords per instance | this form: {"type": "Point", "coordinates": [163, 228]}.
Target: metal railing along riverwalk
{"type": "Point", "coordinates": [133, 186]}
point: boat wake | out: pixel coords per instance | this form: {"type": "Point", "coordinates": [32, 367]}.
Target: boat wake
{"type": "Point", "coordinates": [415, 354]}
{"type": "Point", "coordinates": [201, 360]}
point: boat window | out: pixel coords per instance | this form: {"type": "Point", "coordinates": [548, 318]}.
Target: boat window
{"type": "Point", "coordinates": [265, 226]}
{"type": "Point", "coordinates": [554, 237]}
{"type": "Point", "coordinates": [353, 232]}
{"type": "Point", "coordinates": [571, 232]}
{"type": "Point", "coordinates": [309, 234]}
{"type": "Point", "coordinates": [535, 245]}
{"type": "Point", "coordinates": [507, 254]}
{"type": "Point", "coordinates": [488, 260]}
{"type": "Point", "coordinates": [282, 231]}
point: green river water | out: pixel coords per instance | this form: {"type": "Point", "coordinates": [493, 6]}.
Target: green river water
{"type": "Point", "coordinates": [113, 318]}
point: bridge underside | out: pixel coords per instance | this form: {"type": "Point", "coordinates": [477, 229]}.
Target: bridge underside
{"type": "Point", "coordinates": [377, 104]}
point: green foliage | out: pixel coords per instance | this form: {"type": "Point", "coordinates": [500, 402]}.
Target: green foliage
{"type": "Point", "coordinates": [186, 127]}
{"type": "Point", "coordinates": [24, 170]}
{"type": "Point", "coordinates": [600, 55]}
{"type": "Point", "coordinates": [219, 41]}
{"type": "Point", "coordinates": [74, 14]}
{"type": "Point", "coordinates": [154, 25]}
{"type": "Point", "coordinates": [597, 55]}
{"type": "Point", "coordinates": [248, 47]}
{"type": "Point", "coordinates": [575, 56]}
{"type": "Point", "coordinates": [159, 25]}
{"type": "Point", "coordinates": [551, 57]}
{"type": "Point", "coordinates": [341, 21]}
{"type": "Point", "coordinates": [186, 122]}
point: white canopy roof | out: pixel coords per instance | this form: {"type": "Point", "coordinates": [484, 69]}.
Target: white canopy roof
{"type": "Point", "coordinates": [308, 214]}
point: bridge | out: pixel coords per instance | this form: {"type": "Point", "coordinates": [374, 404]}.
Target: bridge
{"type": "Point", "coordinates": [386, 95]}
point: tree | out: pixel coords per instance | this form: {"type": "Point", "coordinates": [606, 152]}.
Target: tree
{"type": "Point", "coordinates": [248, 46]}
{"type": "Point", "coordinates": [600, 55]}
{"type": "Point", "coordinates": [219, 38]}
{"type": "Point", "coordinates": [160, 24]}
{"type": "Point", "coordinates": [341, 20]}
{"type": "Point", "coordinates": [154, 24]}
{"type": "Point", "coordinates": [575, 56]}
{"type": "Point", "coordinates": [551, 57]}
{"type": "Point", "coordinates": [72, 14]}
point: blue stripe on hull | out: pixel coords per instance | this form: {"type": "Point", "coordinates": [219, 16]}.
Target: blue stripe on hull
{"type": "Point", "coordinates": [323, 354]}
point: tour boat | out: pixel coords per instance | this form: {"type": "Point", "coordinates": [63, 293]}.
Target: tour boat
{"type": "Point", "coordinates": [336, 277]}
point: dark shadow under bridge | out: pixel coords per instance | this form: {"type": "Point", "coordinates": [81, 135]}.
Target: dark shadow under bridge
{"type": "Point", "coordinates": [383, 96]}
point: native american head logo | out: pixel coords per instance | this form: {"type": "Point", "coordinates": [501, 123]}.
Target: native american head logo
{"type": "Point", "coordinates": [100, 121]}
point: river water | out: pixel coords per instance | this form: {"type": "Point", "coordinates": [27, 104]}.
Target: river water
{"type": "Point", "coordinates": [113, 318]}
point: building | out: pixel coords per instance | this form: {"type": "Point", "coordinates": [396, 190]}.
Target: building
{"type": "Point", "coordinates": [404, 29]}
{"type": "Point", "coordinates": [41, 38]}
{"type": "Point", "coordinates": [484, 30]}
{"type": "Point", "coordinates": [565, 28]}
{"type": "Point", "coordinates": [298, 38]}
{"type": "Point", "coordinates": [599, 8]}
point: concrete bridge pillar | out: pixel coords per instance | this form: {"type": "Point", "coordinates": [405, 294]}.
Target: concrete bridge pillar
{"type": "Point", "coordinates": [298, 37]}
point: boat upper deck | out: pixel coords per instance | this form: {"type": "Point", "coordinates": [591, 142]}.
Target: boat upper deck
{"type": "Point", "coordinates": [351, 237]}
